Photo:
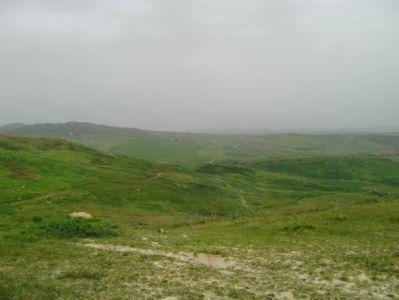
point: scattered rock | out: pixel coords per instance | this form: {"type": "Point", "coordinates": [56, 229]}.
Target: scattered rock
{"type": "Point", "coordinates": [286, 296]}
{"type": "Point", "coordinates": [214, 261]}
{"type": "Point", "coordinates": [210, 296]}
{"type": "Point", "coordinates": [157, 264]}
{"type": "Point", "coordinates": [363, 277]}
{"type": "Point", "coordinates": [81, 214]}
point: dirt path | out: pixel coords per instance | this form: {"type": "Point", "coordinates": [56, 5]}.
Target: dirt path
{"type": "Point", "coordinates": [278, 274]}
{"type": "Point", "coordinates": [213, 261]}
{"type": "Point", "coordinates": [236, 191]}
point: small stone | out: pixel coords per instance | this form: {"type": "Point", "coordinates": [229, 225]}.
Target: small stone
{"type": "Point", "coordinates": [80, 214]}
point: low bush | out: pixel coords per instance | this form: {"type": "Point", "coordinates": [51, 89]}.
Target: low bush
{"type": "Point", "coordinates": [339, 218]}
{"type": "Point", "coordinates": [78, 227]}
{"type": "Point", "coordinates": [299, 228]}
{"type": "Point", "coordinates": [37, 219]}
{"type": "Point", "coordinates": [81, 274]}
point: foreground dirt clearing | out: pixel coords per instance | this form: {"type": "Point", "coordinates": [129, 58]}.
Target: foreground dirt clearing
{"type": "Point", "coordinates": [246, 273]}
{"type": "Point", "coordinates": [208, 260]}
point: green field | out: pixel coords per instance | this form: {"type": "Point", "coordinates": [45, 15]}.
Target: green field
{"type": "Point", "coordinates": [261, 228]}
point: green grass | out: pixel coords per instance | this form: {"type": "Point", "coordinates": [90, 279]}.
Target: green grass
{"type": "Point", "coordinates": [80, 274]}
{"type": "Point", "coordinates": [316, 227]}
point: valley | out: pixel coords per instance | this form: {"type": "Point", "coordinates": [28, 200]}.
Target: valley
{"type": "Point", "coordinates": [275, 228]}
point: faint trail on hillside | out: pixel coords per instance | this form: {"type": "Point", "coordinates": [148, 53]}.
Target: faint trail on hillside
{"type": "Point", "coordinates": [243, 201]}
{"type": "Point", "coordinates": [214, 261]}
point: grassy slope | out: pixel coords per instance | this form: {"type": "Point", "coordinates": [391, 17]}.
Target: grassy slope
{"type": "Point", "coordinates": [36, 168]}
{"type": "Point", "coordinates": [307, 226]}
{"type": "Point", "coordinates": [185, 147]}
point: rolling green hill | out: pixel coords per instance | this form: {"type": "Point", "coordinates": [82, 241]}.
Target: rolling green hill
{"type": "Point", "coordinates": [319, 227]}
{"type": "Point", "coordinates": [190, 147]}
{"type": "Point", "coordinates": [37, 168]}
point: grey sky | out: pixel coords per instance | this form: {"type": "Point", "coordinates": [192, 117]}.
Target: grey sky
{"type": "Point", "coordinates": [185, 64]}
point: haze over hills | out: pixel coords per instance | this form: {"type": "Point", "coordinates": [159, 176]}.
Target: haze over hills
{"type": "Point", "coordinates": [264, 131]}
{"type": "Point", "coordinates": [196, 147]}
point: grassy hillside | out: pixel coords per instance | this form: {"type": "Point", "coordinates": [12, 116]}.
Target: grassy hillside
{"type": "Point", "coordinates": [322, 227]}
{"type": "Point", "coordinates": [33, 169]}
{"type": "Point", "coordinates": [187, 147]}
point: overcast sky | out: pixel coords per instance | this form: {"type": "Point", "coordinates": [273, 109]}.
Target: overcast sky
{"type": "Point", "coordinates": [201, 64]}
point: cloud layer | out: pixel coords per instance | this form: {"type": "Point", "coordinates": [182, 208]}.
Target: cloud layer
{"type": "Point", "coordinates": [192, 64]}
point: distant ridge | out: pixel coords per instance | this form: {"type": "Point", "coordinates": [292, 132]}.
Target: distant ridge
{"type": "Point", "coordinates": [50, 129]}
{"type": "Point", "coordinates": [204, 147]}
{"type": "Point", "coordinates": [69, 129]}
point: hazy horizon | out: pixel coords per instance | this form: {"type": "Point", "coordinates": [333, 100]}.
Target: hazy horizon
{"type": "Point", "coordinates": [244, 131]}
{"type": "Point", "coordinates": [201, 65]}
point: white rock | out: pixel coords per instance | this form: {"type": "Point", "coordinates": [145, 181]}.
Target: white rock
{"type": "Point", "coordinates": [81, 214]}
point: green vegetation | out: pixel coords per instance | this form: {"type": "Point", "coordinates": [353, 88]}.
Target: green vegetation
{"type": "Point", "coordinates": [303, 227]}
{"type": "Point", "coordinates": [77, 227]}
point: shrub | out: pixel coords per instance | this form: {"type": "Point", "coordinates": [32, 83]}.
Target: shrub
{"type": "Point", "coordinates": [81, 274]}
{"type": "Point", "coordinates": [339, 218]}
{"type": "Point", "coordinates": [78, 227]}
{"type": "Point", "coordinates": [223, 169]}
{"type": "Point", "coordinates": [9, 146]}
{"type": "Point", "coordinates": [37, 219]}
{"type": "Point", "coordinates": [300, 228]}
